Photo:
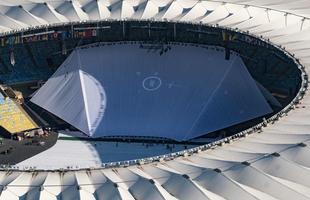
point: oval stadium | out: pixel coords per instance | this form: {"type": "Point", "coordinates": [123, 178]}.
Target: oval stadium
{"type": "Point", "coordinates": [154, 99]}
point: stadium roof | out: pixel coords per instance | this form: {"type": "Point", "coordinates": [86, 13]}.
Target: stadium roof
{"type": "Point", "coordinates": [273, 164]}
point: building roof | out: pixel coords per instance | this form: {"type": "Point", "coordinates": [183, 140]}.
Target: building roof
{"type": "Point", "coordinates": [272, 164]}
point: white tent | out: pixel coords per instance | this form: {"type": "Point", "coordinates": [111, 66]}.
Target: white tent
{"type": "Point", "coordinates": [123, 89]}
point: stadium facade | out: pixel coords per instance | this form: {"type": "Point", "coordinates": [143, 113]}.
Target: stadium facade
{"type": "Point", "coordinates": [270, 161]}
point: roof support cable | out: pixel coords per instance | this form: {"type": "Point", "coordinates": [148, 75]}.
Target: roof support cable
{"type": "Point", "coordinates": [268, 17]}
{"type": "Point", "coordinates": [285, 18]}
{"type": "Point", "coordinates": [302, 23]}
{"type": "Point", "coordinates": [247, 10]}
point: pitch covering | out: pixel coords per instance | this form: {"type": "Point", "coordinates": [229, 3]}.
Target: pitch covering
{"type": "Point", "coordinates": [123, 89]}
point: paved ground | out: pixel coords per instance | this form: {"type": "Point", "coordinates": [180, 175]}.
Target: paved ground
{"type": "Point", "coordinates": [19, 151]}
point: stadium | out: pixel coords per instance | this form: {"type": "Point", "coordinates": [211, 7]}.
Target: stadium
{"type": "Point", "coordinates": [154, 99]}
